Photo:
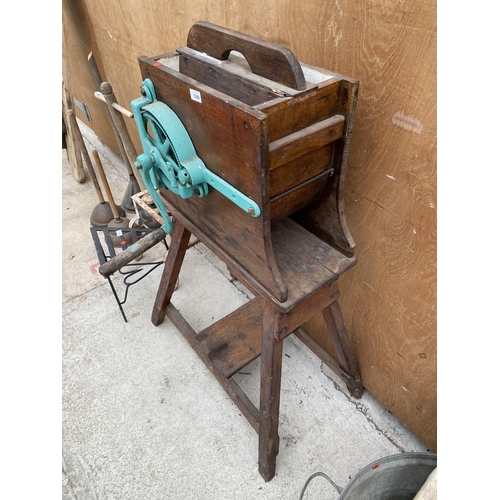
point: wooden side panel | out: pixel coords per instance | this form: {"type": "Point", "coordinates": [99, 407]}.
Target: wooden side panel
{"type": "Point", "coordinates": [290, 115]}
{"type": "Point", "coordinates": [231, 138]}
{"type": "Point", "coordinates": [326, 216]}
{"type": "Point", "coordinates": [306, 167]}
{"type": "Point", "coordinates": [389, 298]}
{"type": "Point", "coordinates": [305, 141]}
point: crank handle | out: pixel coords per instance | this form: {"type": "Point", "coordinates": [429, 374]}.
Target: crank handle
{"type": "Point", "coordinates": [237, 197]}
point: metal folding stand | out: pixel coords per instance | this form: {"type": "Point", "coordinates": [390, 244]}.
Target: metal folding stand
{"type": "Point", "coordinates": [135, 271]}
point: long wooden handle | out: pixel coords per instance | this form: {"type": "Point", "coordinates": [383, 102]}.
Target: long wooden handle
{"type": "Point", "coordinates": [109, 97]}
{"type": "Point", "coordinates": [104, 179]}
{"type": "Point", "coordinates": [132, 252]}
{"type": "Point", "coordinates": [98, 81]}
{"type": "Point", "coordinates": [267, 59]}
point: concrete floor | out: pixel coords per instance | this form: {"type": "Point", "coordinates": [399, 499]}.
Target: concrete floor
{"type": "Point", "coordinates": [143, 418]}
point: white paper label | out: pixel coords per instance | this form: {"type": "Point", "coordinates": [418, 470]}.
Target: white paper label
{"type": "Point", "coordinates": [195, 95]}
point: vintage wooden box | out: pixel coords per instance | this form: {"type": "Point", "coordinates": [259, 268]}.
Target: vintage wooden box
{"type": "Point", "coordinates": [276, 129]}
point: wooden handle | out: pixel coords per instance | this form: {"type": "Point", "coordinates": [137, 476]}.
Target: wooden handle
{"type": "Point", "coordinates": [117, 117]}
{"type": "Point", "coordinates": [267, 59]}
{"type": "Point", "coordinates": [98, 82]}
{"type": "Point", "coordinates": [104, 179]}
{"type": "Point", "coordinates": [132, 252]}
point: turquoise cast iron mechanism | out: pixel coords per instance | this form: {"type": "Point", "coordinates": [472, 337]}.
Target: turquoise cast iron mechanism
{"type": "Point", "coordinates": [169, 159]}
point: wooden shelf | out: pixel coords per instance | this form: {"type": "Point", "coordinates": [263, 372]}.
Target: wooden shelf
{"type": "Point", "coordinates": [306, 262]}
{"type": "Point", "coordinates": [234, 341]}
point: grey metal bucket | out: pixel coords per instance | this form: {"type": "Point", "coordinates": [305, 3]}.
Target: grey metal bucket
{"type": "Point", "coordinates": [396, 477]}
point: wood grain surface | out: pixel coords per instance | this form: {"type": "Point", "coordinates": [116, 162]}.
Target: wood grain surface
{"type": "Point", "coordinates": [389, 298]}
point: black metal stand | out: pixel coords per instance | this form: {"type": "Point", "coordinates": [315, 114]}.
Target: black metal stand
{"type": "Point", "coordinates": [105, 250]}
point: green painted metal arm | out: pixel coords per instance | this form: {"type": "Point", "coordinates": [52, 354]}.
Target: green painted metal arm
{"type": "Point", "coordinates": [238, 198]}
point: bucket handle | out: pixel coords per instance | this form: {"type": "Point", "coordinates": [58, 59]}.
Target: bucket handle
{"type": "Point", "coordinates": [322, 474]}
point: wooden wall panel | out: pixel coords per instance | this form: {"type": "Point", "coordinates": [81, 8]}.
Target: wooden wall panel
{"type": "Point", "coordinates": [389, 298]}
{"type": "Point", "coordinates": [79, 43]}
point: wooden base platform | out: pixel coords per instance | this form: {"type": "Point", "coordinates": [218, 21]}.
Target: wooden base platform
{"type": "Point", "coordinates": [310, 269]}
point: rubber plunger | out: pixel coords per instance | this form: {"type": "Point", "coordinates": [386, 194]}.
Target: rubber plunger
{"type": "Point", "coordinates": [118, 222]}
{"type": "Point", "coordinates": [102, 213]}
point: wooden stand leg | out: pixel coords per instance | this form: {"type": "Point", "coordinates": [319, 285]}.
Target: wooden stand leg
{"type": "Point", "coordinates": [342, 345]}
{"type": "Point", "coordinates": [270, 388]}
{"type": "Point", "coordinates": [175, 257]}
